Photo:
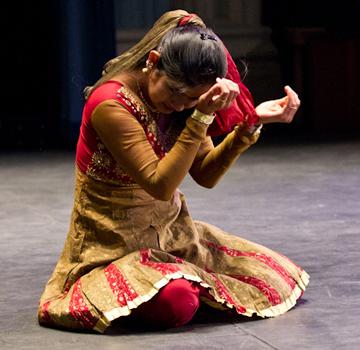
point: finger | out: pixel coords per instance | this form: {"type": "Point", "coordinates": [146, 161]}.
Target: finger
{"type": "Point", "coordinates": [229, 96]}
{"type": "Point", "coordinates": [220, 100]}
{"type": "Point", "coordinates": [224, 100]}
{"type": "Point", "coordinates": [233, 87]}
{"type": "Point", "coordinates": [289, 114]}
{"type": "Point", "coordinates": [282, 101]}
{"type": "Point", "coordinates": [221, 97]}
{"type": "Point", "coordinates": [292, 107]}
{"type": "Point", "coordinates": [234, 90]}
{"type": "Point", "coordinates": [225, 84]}
{"type": "Point", "coordinates": [294, 101]}
{"type": "Point", "coordinates": [289, 90]}
{"type": "Point", "coordinates": [229, 92]}
{"type": "Point", "coordinates": [213, 93]}
{"type": "Point", "coordinates": [219, 90]}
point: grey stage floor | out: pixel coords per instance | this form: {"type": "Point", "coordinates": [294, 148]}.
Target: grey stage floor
{"type": "Point", "coordinates": [302, 200]}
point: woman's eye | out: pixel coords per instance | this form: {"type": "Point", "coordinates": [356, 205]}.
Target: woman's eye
{"type": "Point", "coordinates": [174, 90]}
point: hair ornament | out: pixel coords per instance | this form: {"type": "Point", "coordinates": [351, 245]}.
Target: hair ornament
{"type": "Point", "coordinates": [205, 36]}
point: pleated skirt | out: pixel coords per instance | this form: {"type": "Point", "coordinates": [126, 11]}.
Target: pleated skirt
{"type": "Point", "coordinates": [123, 246]}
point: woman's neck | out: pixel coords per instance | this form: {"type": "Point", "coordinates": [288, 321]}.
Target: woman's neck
{"type": "Point", "coordinates": [128, 79]}
{"type": "Point", "coordinates": [137, 83]}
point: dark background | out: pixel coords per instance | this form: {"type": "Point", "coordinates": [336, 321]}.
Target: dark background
{"type": "Point", "coordinates": [52, 49]}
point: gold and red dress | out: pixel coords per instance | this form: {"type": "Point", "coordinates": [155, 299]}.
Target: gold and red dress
{"type": "Point", "coordinates": [124, 245]}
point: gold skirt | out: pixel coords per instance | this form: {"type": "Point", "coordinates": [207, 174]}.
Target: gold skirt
{"type": "Point", "coordinates": [123, 246]}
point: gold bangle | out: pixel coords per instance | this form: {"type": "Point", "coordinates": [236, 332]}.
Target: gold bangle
{"type": "Point", "coordinates": [202, 117]}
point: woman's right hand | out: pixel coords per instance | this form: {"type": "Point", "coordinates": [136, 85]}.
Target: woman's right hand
{"type": "Point", "coordinates": [281, 110]}
{"type": "Point", "coordinates": [220, 96]}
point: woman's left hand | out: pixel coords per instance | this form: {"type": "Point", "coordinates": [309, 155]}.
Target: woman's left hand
{"type": "Point", "coordinates": [279, 111]}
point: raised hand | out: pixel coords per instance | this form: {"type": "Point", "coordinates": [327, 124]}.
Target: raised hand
{"type": "Point", "coordinates": [281, 110]}
{"type": "Point", "coordinates": [220, 96]}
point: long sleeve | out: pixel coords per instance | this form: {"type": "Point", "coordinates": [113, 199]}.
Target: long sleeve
{"type": "Point", "coordinates": [211, 163]}
{"type": "Point", "coordinates": [125, 138]}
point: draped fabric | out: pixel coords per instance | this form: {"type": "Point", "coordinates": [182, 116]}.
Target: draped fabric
{"type": "Point", "coordinates": [241, 111]}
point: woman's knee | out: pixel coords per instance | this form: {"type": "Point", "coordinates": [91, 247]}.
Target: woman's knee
{"type": "Point", "coordinates": [180, 300]}
{"type": "Point", "coordinates": [174, 305]}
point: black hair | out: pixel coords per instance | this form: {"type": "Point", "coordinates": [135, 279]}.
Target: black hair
{"type": "Point", "coordinates": [192, 55]}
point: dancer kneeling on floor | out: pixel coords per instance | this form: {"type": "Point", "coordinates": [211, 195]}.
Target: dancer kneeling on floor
{"type": "Point", "coordinates": [133, 247]}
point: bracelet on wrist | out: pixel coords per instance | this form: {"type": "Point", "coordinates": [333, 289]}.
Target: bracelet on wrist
{"type": "Point", "coordinates": [249, 135]}
{"type": "Point", "coordinates": [254, 128]}
{"type": "Point", "coordinates": [202, 117]}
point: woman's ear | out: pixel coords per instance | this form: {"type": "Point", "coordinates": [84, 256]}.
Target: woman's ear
{"type": "Point", "coordinates": [153, 57]}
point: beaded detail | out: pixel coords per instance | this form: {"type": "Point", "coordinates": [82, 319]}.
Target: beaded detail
{"type": "Point", "coordinates": [144, 117]}
{"type": "Point", "coordinates": [103, 167]}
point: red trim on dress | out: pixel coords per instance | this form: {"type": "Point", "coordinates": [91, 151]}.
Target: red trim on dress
{"type": "Point", "coordinates": [119, 285]}
{"type": "Point", "coordinates": [270, 292]}
{"type": "Point", "coordinates": [224, 294]}
{"type": "Point", "coordinates": [269, 261]}
{"type": "Point", "coordinates": [45, 313]}
{"type": "Point", "coordinates": [179, 260]}
{"type": "Point", "coordinates": [78, 308]}
{"type": "Point", "coordinates": [164, 268]}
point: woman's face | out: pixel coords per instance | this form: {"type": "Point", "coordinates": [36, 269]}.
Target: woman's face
{"type": "Point", "coordinates": [168, 96]}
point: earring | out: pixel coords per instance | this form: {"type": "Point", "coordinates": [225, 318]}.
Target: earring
{"type": "Point", "coordinates": [149, 66]}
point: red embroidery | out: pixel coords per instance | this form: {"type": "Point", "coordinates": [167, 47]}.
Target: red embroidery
{"type": "Point", "coordinates": [224, 294]}
{"type": "Point", "coordinates": [270, 292]}
{"type": "Point", "coordinates": [258, 256]}
{"type": "Point", "coordinates": [119, 285]}
{"type": "Point", "coordinates": [179, 260]}
{"type": "Point", "coordinates": [45, 313]}
{"type": "Point", "coordinates": [164, 268]}
{"type": "Point", "coordinates": [157, 147]}
{"type": "Point", "coordinates": [78, 308]}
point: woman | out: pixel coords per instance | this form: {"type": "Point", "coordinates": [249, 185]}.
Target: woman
{"type": "Point", "coordinates": [132, 247]}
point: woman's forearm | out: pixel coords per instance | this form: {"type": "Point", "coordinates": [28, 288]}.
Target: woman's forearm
{"type": "Point", "coordinates": [125, 138]}
{"type": "Point", "coordinates": [208, 170]}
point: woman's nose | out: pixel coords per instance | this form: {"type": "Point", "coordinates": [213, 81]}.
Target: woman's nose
{"type": "Point", "coordinates": [179, 107]}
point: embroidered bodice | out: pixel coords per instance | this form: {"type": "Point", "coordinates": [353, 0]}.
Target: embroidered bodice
{"type": "Point", "coordinates": [93, 158]}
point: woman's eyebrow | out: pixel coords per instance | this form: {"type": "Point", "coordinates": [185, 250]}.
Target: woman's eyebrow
{"type": "Point", "coordinates": [181, 90]}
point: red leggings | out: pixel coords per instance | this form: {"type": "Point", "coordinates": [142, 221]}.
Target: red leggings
{"type": "Point", "coordinates": [174, 305]}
